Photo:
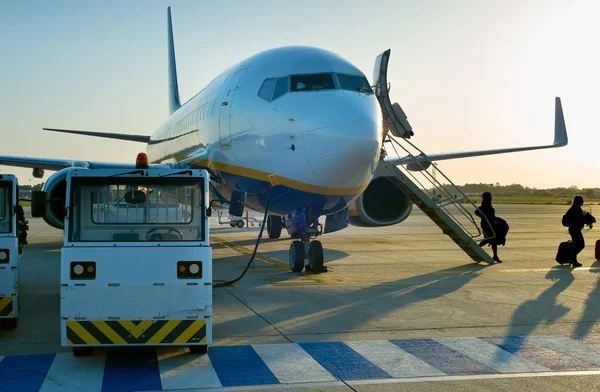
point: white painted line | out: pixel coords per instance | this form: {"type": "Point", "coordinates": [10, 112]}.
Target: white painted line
{"type": "Point", "coordinates": [575, 348]}
{"type": "Point", "coordinates": [268, 387]}
{"type": "Point", "coordinates": [393, 360]}
{"type": "Point", "coordinates": [291, 364]}
{"type": "Point", "coordinates": [491, 355]}
{"type": "Point", "coordinates": [181, 370]}
{"type": "Point", "coordinates": [473, 377]}
{"type": "Point", "coordinates": [71, 373]}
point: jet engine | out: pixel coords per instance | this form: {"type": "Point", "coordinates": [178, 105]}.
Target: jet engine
{"type": "Point", "coordinates": [381, 204]}
{"type": "Point", "coordinates": [56, 188]}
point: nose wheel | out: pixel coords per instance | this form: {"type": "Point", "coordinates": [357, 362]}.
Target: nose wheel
{"type": "Point", "coordinates": [306, 254]}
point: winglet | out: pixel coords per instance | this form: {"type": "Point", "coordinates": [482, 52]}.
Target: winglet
{"type": "Point", "coordinates": [560, 130]}
{"type": "Point", "coordinates": [173, 87]}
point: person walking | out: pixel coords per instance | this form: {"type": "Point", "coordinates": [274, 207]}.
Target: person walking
{"type": "Point", "coordinates": [500, 228]}
{"type": "Point", "coordinates": [576, 219]}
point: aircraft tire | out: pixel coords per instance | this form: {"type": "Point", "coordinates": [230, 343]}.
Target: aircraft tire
{"type": "Point", "coordinates": [240, 223]}
{"type": "Point", "coordinates": [316, 256]}
{"type": "Point", "coordinates": [274, 226]}
{"type": "Point", "coordinates": [297, 256]}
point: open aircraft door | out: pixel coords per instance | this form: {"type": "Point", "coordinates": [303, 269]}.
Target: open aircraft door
{"type": "Point", "coordinates": [394, 119]}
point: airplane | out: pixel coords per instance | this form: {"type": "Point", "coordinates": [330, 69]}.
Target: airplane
{"type": "Point", "coordinates": [298, 127]}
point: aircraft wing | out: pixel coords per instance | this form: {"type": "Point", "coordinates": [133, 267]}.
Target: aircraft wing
{"type": "Point", "coordinates": [58, 164]}
{"type": "Point", "coordinates": [560, 140]}
{"type": "Point", "coordinates": [118, 136]}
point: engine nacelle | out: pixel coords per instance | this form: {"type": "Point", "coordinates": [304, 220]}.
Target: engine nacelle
{"type": "Point", "coordinates": [381, 204]}
{"type": "Point", "coordinates": [56, 188]}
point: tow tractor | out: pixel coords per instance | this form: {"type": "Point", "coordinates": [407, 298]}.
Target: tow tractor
{"type": "Point", "coordinates": [13, 234]}
{"type": "Point", "coordinates": [136, 265]}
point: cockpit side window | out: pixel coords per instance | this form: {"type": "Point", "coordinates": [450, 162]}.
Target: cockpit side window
{"type": "Point", "coordinates": [312, 82]}
{"type": "Point", "coordinates": [354, 83]}
{"type": "Point", "coordinates": [266, 90]}
{"type": "Point", "coordinates": [280, 88]}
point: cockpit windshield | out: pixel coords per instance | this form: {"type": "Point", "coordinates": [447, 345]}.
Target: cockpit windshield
{"type": "Point", "coordinates": [354, 83]}
{"type": "Point", "coordinates": [312, 82]}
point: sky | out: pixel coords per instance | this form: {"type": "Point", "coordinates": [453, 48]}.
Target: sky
{"type": "Point", "coordinates": [470, 74]}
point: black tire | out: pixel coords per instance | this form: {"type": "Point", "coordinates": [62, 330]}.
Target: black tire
{"type": "Point", "coordinates": [297, 256]}
{"type": "Point", "coordinates": [83, 351]}
{"type": "Point", "coordinates": [9, 323]}
{"type": "Point", "coordinates": [316, 256]}
{"type": "Point", "coordinates": [239, 223]}
{"type": "Point", "coordinates": [274, 225]}
{"type": "Point", "coordinates": [198, 349]}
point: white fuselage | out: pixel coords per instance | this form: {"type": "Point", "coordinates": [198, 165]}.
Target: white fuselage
{"type": "Point", "coordinates": [321, 147]}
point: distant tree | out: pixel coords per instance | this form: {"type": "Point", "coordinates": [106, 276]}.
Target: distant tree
{"type": "Point", "coordinates": [38, 187]}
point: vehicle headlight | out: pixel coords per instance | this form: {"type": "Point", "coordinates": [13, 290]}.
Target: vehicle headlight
{"type": "Point", "coordinates": [4, 255]}
{"type": "Point", "coordinates": [83, 270]}
{"type": "Point", "coordinates": [194, 268]}
{"type": "Point", "coordinates": [189, 269]}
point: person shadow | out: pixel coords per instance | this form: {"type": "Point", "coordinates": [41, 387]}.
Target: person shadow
{"type": "Point", "coordinates": [544, 309]}
{"type": "Point", "coordinates": [591, 313]}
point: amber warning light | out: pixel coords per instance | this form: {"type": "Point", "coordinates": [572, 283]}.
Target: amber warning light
{"type": "Point", "coordinates": [141, 162]}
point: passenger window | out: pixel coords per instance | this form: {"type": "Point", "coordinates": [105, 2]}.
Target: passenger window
{"type": "Point", "coordinates": [312, 82]}
{"type": "Point", "coordinates": [266, 90]}
{"type": "Point", "coordinates": [354, 83]}
{"type": "Point", "coordinates": [280, 88]}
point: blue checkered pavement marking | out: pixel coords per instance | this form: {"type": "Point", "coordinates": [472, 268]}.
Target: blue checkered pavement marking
{"type": "Point", "coordinates": [290, 363]}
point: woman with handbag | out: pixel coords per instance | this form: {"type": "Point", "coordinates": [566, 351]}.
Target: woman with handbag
{"type": "Point", "coordinates": [500, 227]}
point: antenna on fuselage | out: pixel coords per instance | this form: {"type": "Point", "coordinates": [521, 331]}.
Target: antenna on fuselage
{"type": "Point", "coordinates": [173, 87]}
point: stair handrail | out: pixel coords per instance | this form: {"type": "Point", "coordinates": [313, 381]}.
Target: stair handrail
{"type": "Point", "coordinates": [449, 198]}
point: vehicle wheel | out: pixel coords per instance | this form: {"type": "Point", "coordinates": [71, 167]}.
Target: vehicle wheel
{"type": "Point", "coordinates": [232, 224]}
{"type": "Point", "coordinates": [240, 223]}
{"type": "Point", "coordinates": [274, 225]}
{"type": "Point", "coordinates": [83, 351]}
{"type": "Point", "coordinates": [296, 256]}
{"type": "Point", "coordinates": [198, 349]}
{"type": "Point", "coordinates": [316, 256]}
{"type": "Point", "coordinates": [9, 323]}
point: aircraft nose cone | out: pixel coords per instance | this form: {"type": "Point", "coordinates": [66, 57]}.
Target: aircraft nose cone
{"type": "Point", "coordinates": [342, 139]}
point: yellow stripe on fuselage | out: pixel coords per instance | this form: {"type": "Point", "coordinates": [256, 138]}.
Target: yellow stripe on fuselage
{"type": "Point", "coordinates": [272, 178]}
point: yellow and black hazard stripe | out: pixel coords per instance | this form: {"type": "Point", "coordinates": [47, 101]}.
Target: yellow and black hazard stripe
{"type": "Point", "coordinates": [6, 307]}
{"type": "Point", "coordinates": [124, 332]}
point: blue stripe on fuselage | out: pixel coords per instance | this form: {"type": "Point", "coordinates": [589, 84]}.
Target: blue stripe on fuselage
{"type": "Point", "coordinates": [283, 199]}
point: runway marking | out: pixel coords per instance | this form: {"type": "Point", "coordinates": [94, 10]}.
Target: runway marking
{"type": "Point", "coordinates": [491, 355]}
{"type": "Point", "coordinates": [343, 362]}
{"type": "Point", "coordinates": [476, 377]}
{"type": "Point", "coordinates": [443, 358]}
{"type": "Point", "coordinates": [574, 348]}
{"type": "Point", "coordinates": [240, 365]}
{"type": "Point", "coordinates": [182, 371]}
{"type": "Point", "coordinates": [291, 364]}
{"type": "Point", "coordinates": [71, 373]}
{"type": "Point", "coordinates": [393, 360]}
{"type": "Point", "coordinates": [263, 367]}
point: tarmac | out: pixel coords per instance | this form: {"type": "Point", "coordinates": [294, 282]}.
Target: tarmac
{"type": "Point", "coordinates": [397, 306]}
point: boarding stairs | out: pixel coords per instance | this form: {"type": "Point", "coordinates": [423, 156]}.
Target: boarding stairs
{"type": "Point", "coordinates": [442, 201]}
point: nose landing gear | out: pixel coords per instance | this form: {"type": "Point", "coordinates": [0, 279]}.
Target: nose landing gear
{"type": "Point", "coordinates": [306, 254]}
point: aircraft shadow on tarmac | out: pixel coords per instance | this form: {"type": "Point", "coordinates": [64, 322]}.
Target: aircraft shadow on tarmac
{"type": "Point", "coordinates": [544, 309]}
{"type": "Point", "coordinates": [325, 311]}
{"type": "Point", "coordinates": [591, 314]}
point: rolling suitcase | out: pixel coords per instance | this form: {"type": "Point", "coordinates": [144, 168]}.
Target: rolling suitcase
{"type": "Point", "coordinates": [597, 250]}
{"type": "Point", "coordinates": [563, 256]}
